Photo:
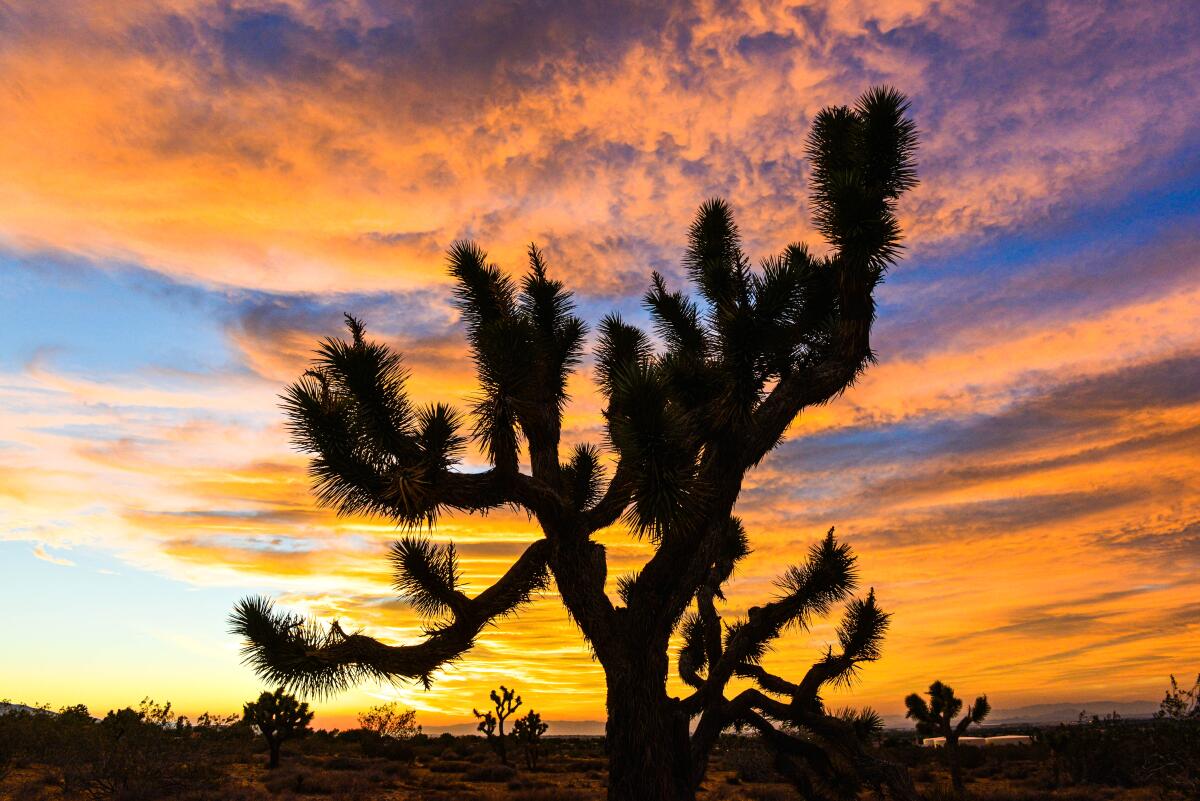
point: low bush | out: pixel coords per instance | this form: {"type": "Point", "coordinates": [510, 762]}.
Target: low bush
{"type": "Point", "coordinates": [489, 773]}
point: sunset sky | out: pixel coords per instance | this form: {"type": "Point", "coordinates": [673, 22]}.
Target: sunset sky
{"type": "Point", "coordinates": [191, 194]}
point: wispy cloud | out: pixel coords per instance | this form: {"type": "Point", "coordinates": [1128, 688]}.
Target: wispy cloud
{"type": "Point", "coordinates": [40, 552]}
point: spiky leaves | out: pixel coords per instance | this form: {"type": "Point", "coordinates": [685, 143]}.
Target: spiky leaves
{"type": "Point", "coordinates": [280, 647]}
{"type": "Point", "coordinates": [524, 342]}
{"type": "Point", "coordinates": [426, 574]}
{"type": "Point", "coordinates": [278, 717]}
{"type": "Point", "coordinates": [820, 751]}
{"type": "Point", "coordinates": [557, 335]}
{"type": "Point", "coordinates": [866, 723]}
{"type": "Point", "coordinates": [715, 261]}
{"type": "Point", "coordinates": [373, 452]}
{"type": "Point", "coordinates": [976, 712]}
{"type": "Point", "coordinates": [298, 653]}
{"type": "Point", "coordinates": [936, 717]}
{"type": "Point", "coordinates": [806, 591]}
{"type": "Point", "coordinates": [862, 161]}
{"type": "Point", "coordinates": [582, 477]}
{"type": "Point", "coordinates": [653, 435]}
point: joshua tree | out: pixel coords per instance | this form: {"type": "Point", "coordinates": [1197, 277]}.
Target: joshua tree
{"type": "Point", "coordinates": [686, 421]}
{"type": "Point", "coordinates": [279, 717]}
{"type": "Point", "coordinates": [937, 719]}
{"type": "Point", "coordinates": [528, 732]}
{"type": "Point", "coordinates": [491, 724]}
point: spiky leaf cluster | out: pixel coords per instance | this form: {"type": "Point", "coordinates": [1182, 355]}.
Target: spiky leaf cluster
{"type": "Point", "coordinates": [277, 714]}
{"type": "Point", "coordinates": [280, 647]}
{"type": "Point", "coordinates": [426, 574]}
{"type": "Point", "coordinates": [373, 450]}
{"type": "Point", "coordinates": [524, 340]}
{"type": "Point", "coordinates": [936, 717]}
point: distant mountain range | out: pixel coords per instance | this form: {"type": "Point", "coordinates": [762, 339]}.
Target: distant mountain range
{"type": "Point", "coordinates": [6, 707]}
{"type": "Point", "coordinates": [1050, 714]}
{"type": "Point", "coordinates": [1034, 714]}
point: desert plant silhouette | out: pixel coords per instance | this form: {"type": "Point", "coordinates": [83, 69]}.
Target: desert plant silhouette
{"type": "Point", "coordinates": [936, 719]}
{"type": "Point", "coordinates": [1180, 703]}
{"type": "Point", "coordinates": [528, 731]}
{"type": "Point", "coordinates": [685, 426]}
{"type": "Point", "coordinates": [390, 720]}
{"type": "Point", "coordinates": [491, 724]}
{"type": "Point", "coordinates": [278, 717]}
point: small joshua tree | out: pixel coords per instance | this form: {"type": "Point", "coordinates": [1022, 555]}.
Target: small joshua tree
{"type": "Point", "coordinates": [936, 719]}
{"type": "Point", "coordinates": [506, 702]}
{"type": "Point", "coordinates": [278, 716]}
{"type": "Point", "coordinates": [390, 720]}
{"type": "Point", "coordinates": [528, 732]}
{"type": "Point", "coordinates": [688, 415]}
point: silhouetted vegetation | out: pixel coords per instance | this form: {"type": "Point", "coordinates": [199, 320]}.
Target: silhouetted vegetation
{"type": "Point", "coordinates": [278, 717]}
{"type": "Point", "coordinates": [145, 754]}
{"type": "Point", "coordinates": [528, 731]}
{"type": "Point", "coordinates": [685, 423]}
{"type": "Point", "coordinates": [1181, 703]}
{"type": "Point", "coordinates": [936, 719]}
{"type": "Point", "coordinates": [390, 720]}
{"type": "Point", "coordinates": [387, 731]}
{"type": "Point", "coordinates": [1115, 752]}
{"type": "Point", "coordinates": [128, 755]}
{"type": "Point", "coordinates": [491, 723]}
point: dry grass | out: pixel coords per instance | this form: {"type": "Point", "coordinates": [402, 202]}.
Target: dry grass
{"type": "Point", "coordinates": [573, 771]}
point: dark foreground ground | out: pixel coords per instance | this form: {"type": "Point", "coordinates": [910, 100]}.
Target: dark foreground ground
{"type": "Point", "coordinates": [141, 763]}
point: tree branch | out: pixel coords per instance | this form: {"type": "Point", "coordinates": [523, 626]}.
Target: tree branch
{"type": "Point", "coordinates": [613, 503]}
{"type": "Point", "coordinates": [288, 650]}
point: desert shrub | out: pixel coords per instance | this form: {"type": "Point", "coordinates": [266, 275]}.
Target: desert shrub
{"type": "Point", "coordinates": [771, 792]}
{"type": "Point", "coordinates": [390, 720]}
{"type": "Point", "coordinates": [225, 792]}
{"type": "Point", "coordinates": [489, 773]}
{"type": "Point", "coordinates": [382, 747]}
{"type": "Point", "coordinates": [31, 790]}
{"type": "Point", "coordinates": [129, 755]}
{"type": "Point", "coordinates": [450, 766]}
{"type": "Point", "coordinates": [1110, 751]}
{"type": "Point", "coordinates": [300, 781]}
{"type": "Point", "coordinates": [552, 794]}
{"type": "Point", "coordinates": [132, 755]}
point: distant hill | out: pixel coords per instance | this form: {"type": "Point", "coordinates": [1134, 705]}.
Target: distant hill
{"type": "Point", "coordinates": [6, 708]}
{"type": "Point", "coordinates": [1069, 712]}
{"type": "Point", "coordinates": [1050, 714]}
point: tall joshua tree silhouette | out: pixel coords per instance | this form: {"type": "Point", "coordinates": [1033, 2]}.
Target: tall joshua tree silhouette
{"type": "Point", "coordinates": [685, 424]}
{"type": "Point", "coordinates": [936, 718]}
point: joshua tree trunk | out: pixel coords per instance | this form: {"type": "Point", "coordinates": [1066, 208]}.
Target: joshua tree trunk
{"type": "Point", "coordinates": [956, 780]}
{"type": "Point", "coordinates": [647, 740]}
{"type": "Point", "coordinates": [273, 745]}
